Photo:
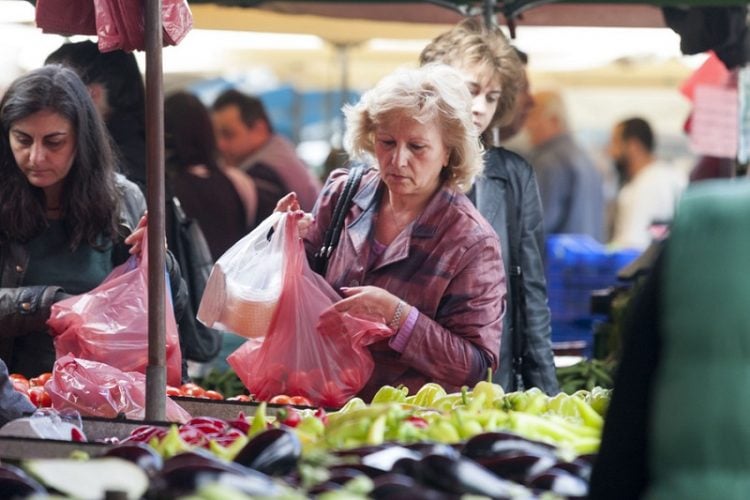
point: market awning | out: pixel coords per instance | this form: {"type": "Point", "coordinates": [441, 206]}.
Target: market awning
{"type": "Point", "coordinates": [627, 13]}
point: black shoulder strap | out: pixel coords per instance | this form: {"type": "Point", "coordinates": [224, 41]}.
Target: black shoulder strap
{"type": "Point", "coordinates": [333, 233]}
{"type": "Point", "coordinates": [515, 281]}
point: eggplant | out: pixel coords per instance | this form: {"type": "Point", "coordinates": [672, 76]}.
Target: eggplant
{"type": "Point", "coordinates": [385, 458]}
{"type": "Point", "coordinates": [274, 452]}
{"type": "Point", "coordinates": [140, 454]}
{"type": "Point", "coordinates": [400, 487]}
{"type": "Point", "coordinates": [493, 444]}
{"type": "Point", "coordinates": [184, 473]}
{"type": "Point", "coordinates": [89, 478]}
{"type": "Point", "coordinates": [464, 476]}
{"type": "Point", "coordinates": [517, 466]}
{"type": "Point", "coordinates": [15, 483]}
{"type": "Point", "coordinates": [368, 471]}
{"type": "Point", "coordinates": [577, 467]}
{"type": "Point", "coordinates": [425, 448]}
{"type": "Point", "coordinates": [408, 467]}
{"type": "Point", "coordinates": [343, 474]}
{"type": "Point", "coordinates": [560, 482]}
{"type": "Point", "coordinates": [324, 487]}
{"type": "Point", "coordinates": [387, 485]}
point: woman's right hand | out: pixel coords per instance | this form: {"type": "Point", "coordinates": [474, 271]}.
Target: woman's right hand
{"type": "Point", "coordinates": [290, 203]}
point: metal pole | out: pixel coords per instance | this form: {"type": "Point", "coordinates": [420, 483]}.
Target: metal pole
{"type": "Point", "coordinates": [489, 14]}
{"type": "Point", "coordinates": [156, 372]}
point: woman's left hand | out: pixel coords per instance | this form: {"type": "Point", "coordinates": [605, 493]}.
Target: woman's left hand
{"type": "Point", "coordinates": [368, 302]}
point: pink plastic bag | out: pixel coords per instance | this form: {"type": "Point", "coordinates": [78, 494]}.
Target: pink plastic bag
{"type": "Point", "coordinates": [109, 324]}
{"type": "Point", "coordinates": [297, 357]}
{"type": "Point", "coordinates": [100, 390]}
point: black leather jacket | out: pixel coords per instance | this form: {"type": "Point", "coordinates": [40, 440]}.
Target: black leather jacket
{"type": "Point", "coordinates": [505, 170]}
{"type": "Point", "coordinates": [25, 309]}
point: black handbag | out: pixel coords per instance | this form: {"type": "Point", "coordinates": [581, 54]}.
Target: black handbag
{"type": "Point", "coordinates": [191, 250]}
{"type": "Point", "coordinates": [333, 233]}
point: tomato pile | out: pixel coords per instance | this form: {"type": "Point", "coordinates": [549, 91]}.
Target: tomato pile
{"type": "Point", "coordinates": [33, 388]}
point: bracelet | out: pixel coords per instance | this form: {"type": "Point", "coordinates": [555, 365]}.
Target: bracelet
{"type": "Point", "coordinates": [395, 323]}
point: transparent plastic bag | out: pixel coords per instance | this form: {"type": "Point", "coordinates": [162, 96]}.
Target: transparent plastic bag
{"type": "Point", "coordinates": [245, 283]}
{"type": "Point", "coordinates": [110, 323]}
{"type": "Point", "coordinates": [328, 362]}
{"type": "Point", "coordinates": [100, 390]}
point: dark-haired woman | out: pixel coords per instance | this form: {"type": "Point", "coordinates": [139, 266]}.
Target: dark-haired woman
{"type": "Point", "coordinates": [66, 217]}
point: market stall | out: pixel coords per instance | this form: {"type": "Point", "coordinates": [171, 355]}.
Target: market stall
{"type": "Point", "coordinates": [479, 440]}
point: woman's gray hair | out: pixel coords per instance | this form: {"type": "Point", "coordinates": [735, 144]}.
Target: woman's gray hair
{"type": "Point", "coordinates": [432, 92]}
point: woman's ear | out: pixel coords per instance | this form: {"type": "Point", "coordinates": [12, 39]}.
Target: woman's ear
{"type": "Point", "coordinates": [98, 93]}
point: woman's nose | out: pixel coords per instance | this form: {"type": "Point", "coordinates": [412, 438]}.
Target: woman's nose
{"type": "Point", "coordinates": [400, 156]}
{"type": "Point", "coordinates": [36, 153]}
{"type": "Point", "coordinates": [478, 105]}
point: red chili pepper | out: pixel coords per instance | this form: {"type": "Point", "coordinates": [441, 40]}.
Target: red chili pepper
{"type": "Point", "coordinates": [321, 414]}
{"type": "Point", "coordinates": [289, 416]}
{"type": "Point", "coordinates": [417, 422]}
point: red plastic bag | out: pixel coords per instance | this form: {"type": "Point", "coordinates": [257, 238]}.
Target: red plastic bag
{"type": "Point", "coordinates": [120, 24]}
{"type": "Point", "coordinates": [66, 17]}
{"type": "Point", "coordinates": [109, 324]}
{"type": "Point", "coordinates": [100, 390]}
{"type": "Point", "coordinates": [297, 358]}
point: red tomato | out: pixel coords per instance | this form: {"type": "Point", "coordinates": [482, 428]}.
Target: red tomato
{"type": "Point", "coordinates": [40, 380]}
{"type": "Point", "coordinates": [213, 395]}
{"type": "Point", "coordinates": [352, 379]}
{"type": "Point", "coordinates": [298, 382]}
{"type": "Point", "coordinates": [281, 399]}
{"type": "Point", "coordinates": [39, 397]}
{"type": "Point", "coordinates": [20, 383]}
{"type": "Point", "coordinates": [300, 401]}
{"type": "Point", "coordinates": [192, 390]}
{"type": "Point", "coordinates": [173, 391]}
{"type": "Point", "coordinates": [332, 396]}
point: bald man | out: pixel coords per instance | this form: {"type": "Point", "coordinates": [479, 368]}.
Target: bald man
{"type": "Point", "coordinates": [570, 185]}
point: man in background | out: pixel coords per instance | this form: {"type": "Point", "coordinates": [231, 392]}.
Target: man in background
{"type": "Point", "coordinates": [651, 188]}
{"type": "Point", "coordinates": [246, 140]}
{"type": "Point", "coordinates": [569, 183]}
{"type": "Point", "coordinates": [116, 87]}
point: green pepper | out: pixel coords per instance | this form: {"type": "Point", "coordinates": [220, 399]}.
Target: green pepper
{"type": "Point", "coordinates": [228, 452]}
{"type": "Point", "coordinates": [259, 423]}
{"type": "Point", "coordinates": [536, 403]}
{"type": "Point", "coordinates": [352, 404]}
{"type": "Point", "coordinates": [390, 394]}
{"type": "Point", "coordinates": [376, 432]}
{"type": "Point", "coordinates": [172, 444]}
{"type": "Point", "coordinates": [448, 402]}
{"type": "Point", "coordinates": [352, 433]}
{"type": "Point", "coordinates": [492, 392]}
{"type": "Point", "coordinates": [466, 424]}
{"type": "Point", "coordinates": [443, 431]}
{"type": "Point", "coordinates": [428, 394]}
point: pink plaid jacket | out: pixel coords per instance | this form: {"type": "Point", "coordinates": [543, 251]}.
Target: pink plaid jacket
{"type": "Point", "coordinates": [447, 264]}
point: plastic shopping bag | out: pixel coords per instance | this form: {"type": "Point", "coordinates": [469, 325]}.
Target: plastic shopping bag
{"type": "Point", "coordinates": [298, 355]}
{"type": "Point", "coordinates": [66, 17]}
{"type": "Point", "coordinates": [245, 283]}
{"type": "Point", "coordinates": [99, 390]}
{"type": "Point", "coordinates": [109, 324]}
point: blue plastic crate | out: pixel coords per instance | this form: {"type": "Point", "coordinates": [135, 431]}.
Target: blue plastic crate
{"type": "Point", "coordinates": [573, 332]}
{"type": "Point", "coordinates": [577, 265]}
